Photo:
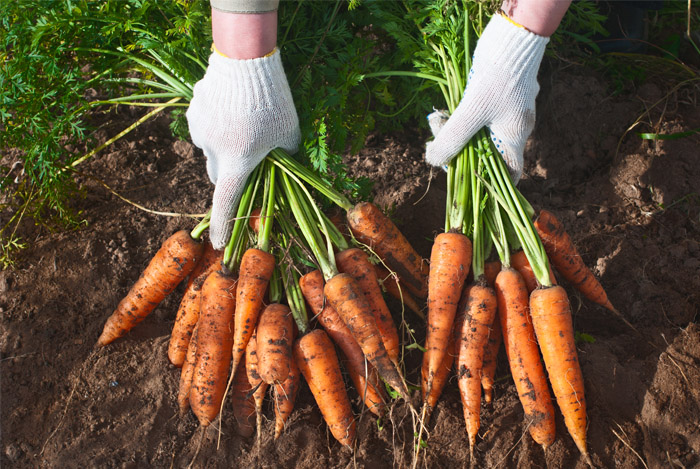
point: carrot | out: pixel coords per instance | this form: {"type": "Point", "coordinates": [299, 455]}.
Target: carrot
{"type": "Point", "coordinates": [372, 227]}
{"type": "Point", "coordinates": [491, 271]}
{"type": "Point", "coordinates": [274, 343]}
{"type": "Point", "coordinates": [567, 261]}
{"type": "Point", "coordinates": [243, 401]}
{"type": "Point", "coordinates": [186, 373]}
{"type": "Point", "coordinates": [188, 312]}
{"type": "Point", "coordinates": [450, 259]}
{"type": "Point", "coordinates": [355, 262]}
{"type": "Point", "coordinates": [254, 220]}
{"type": "Point", "coordinates": [524, 356]}
{"type": "Point", "coordinates": [316, 358]}
{"type": "Point", "coordinates": [214, 345]}
{"type": "Point", "coordinates": [480, 309]}
{"type": "Point", "coordinates": [174, 260]}
{"type": "Point", "coordinates": [440, 378]}
{"type": "Point", "coordinates": [254, 276]}
{"type": "Point", "coordinates": [258, 386]}
{"type": "Point", "coordinates": [551, 319]}
{"type": "Point", "coordinates": [519, 262]}
{"type": "Point", "coordinates": [392, 285]}
{"type": "Point", "coordinates": [366, 382]}
{"type": "Point", "coordinates": [348, 300]}
{"type": "Point", "coordinates": [285, 395]}
{"type": "Point", "coordinates": [488, 369]}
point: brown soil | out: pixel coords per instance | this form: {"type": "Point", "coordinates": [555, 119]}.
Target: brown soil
{"type": "Point", "coordinates": [631, 206]}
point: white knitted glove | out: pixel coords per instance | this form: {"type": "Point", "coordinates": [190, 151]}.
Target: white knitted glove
{"type": "Point", "coordinates": [501, 93]}
{"type": "Point", "coordinates": [240, 111]}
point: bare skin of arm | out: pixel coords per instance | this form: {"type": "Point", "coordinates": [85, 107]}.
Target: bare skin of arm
{"type": "Point", "coordinates": [244, 35]}
{"type": "Point", "coordinates": [539, 16]}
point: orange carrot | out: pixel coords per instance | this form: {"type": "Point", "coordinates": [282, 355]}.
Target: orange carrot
{"type": "Point", "coordinates": [171, 264]}
{"type": "Point", "coordinates": [567, 261]}
{"type": "Point", "coordinates": [186, 373]}
{"type": "Point", "coordinates": [439, 378]}
{"type": "Point", "coordinates": [450, 260]}
{"type": "Point", "coordinates": [367, 382]}
{"type": "Point", "coordinates": [316, 358]}
{"type": "Point", "coordinates": [274, 343]}
{"type": "Point", "coordinates": [243, 402]}
{"type": "Point", "coordinates": [214, 344]}
{"type": "Point", "coordinates": [491, 271]}
{"type": "Point", "coordinates": [254, 276]}
{"type": "Point", "coordinates": [488, 369]}
{"type": "Point", "coordinates": [524, 356]}
{"type": "Point", "coordinates": [355, 262]}
{"type": "Point", "coordinates": [348, 300]}
{"type": "Point", "coordinates": [285, 393]}
{"type": "Point", "coordinates": [519, 262]}
{"type": "Point", "coordinates": [473, 337]}
{"type": "Point", "coordinates": [551, 319]}
{"type": "Point", "coordinates": [254, 220]}
{"type": "Point", "coordinates": [372, 227]}
{"type": "Point", "coordinates": [188, 312]}
{"type": "Point", "coordinates": [393, 286]}
{"type": "Point", "coordinates": [257, 385]}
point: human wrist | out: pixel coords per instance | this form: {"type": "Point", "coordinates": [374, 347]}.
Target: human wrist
{"type": "Point", "coordinates": [244, 35]}
{"type": "Point", "coordinates": [541, 17]}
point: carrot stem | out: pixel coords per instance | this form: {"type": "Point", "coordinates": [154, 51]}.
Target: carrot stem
{"type": "Point", "coordinates": [236, 245]}
{"type": "Point", "coordinates": [198, 230]}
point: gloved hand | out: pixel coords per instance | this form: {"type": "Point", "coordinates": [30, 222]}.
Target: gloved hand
{"type": "Point", "coordinates": [500, 94]}
{"type": "Point", "coordinates": [240, 111]}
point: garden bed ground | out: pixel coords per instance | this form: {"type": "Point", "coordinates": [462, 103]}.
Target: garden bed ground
{"type": "Point", "coordinates": [631, 206]}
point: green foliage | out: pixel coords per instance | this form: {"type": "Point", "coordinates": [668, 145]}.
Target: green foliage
{"type": "Point", "coordinates": [57, 54]}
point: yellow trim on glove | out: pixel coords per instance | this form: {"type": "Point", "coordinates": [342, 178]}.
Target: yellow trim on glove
{"type": "Point", "coordinates": [214, 49]}
{"type": "Point", "coordinates": [503, 14]}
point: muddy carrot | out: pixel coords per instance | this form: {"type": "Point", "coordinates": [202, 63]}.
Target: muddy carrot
{"type": "Point", "coordinates": [285, 394]}
{"type": "Point", "coordinates": [274, 343]}
{"type": "Point", "coordinates": [450, 259]}
{"type": "Point", "coordinates": [174, 260]}
{"type": "Point", "coordinates": [318, 362]}
{"type": "Point", "coordinates": [363, 373]}
{"type": "Point", "coordinates": [551, 319]}
{"type": "Point", "coordinates": [524, 356]}
{"type": "Point", "coordinates": [491, 271]}
{"type": "Point", "coordinates": [370, 226]}
{"type": "Point", "coordinates": [254, 276]}
{"type": "Point", "coordinates": [519, 262]}
{"type": "Point", "coordinates": [567, 261]}
{"type": "Point", "coordinates": [440, 378]}
{"type": "Point", "coordinates": [488, 369]}
{"type": "Point", "coordinates": [243, 402]}
{"type": "Point", "coordinates": [392, 285]}
{"type": "Point", "coordinates": [355, 262]}
{"type": "Point", "coordinates": [348, 300]}
{"type": "Point", "coordinates": [214, 344]}
{"type": "Point", "coordinates": [257, 385]}
{"type": "Point", "coordinates": [480, 310]}
{"type": "Point", "coordinates": [186, 374]}
{"type": "Point", "coordinates": [188, 312]}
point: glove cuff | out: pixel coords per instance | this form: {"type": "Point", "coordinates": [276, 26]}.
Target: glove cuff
{"type": "Point", "coordinates": [258, 83]}
{"type": "Point", "coordinates": [504, 39]}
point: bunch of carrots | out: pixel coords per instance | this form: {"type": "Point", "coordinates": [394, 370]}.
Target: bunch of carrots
{"type": "Point", "coordinates": [243, 325]}
{"type": "Point", "coordinates": [294, 296]}
{"type": "Point", "coordinates": [474, 306]}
